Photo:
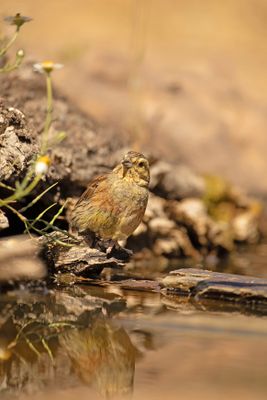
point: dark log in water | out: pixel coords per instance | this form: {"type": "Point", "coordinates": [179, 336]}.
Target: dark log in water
{"type": "Point", "coordinates": [206, 284]}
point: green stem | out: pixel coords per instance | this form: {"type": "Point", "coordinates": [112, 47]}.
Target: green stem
{"type": "Point", "coordinates": [3, 185]}
{"type": "Point", "coordinates": [27, 178]}
{"type": "Point", "coordinates": [37, 198]}
{"type": "Point", "coordinates": [21, 217]}
{"type": "Point", "coordinates": [58, 213]}
{"type": "Point", "coordinates": [48, 119]}
{"type": "Point", "coordinates": [9, 44]}
{"type": "Point", "coordinates": [32, 185]}
{"type": "Point", "coordinates": [17, 213]}
{"type": "Point", "coordinates": [42, 233]}
{"type": "Point", "coordinates": [21, 193]}
{"type": "Point", "coordinates": [55, 228]}
{"type": "Point", "coordinates": [42, 213]}
{"type": "Point", "coordinates": [11, 67]}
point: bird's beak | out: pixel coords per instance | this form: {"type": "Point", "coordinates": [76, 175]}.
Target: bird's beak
{"type": "Point", "coordinates": [127, 164]}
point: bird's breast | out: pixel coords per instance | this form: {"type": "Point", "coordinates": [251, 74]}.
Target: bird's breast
{"type": "Point", "coordinates": [131, 201]}
{"type": "Point", "coordinates": [129, 194]}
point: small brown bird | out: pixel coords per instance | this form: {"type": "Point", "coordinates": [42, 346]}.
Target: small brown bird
{"type": "Point", "coordinates": [113, 205]}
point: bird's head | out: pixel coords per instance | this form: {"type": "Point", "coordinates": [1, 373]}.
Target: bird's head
{"type": "Point", "coordinates": [134, 167]}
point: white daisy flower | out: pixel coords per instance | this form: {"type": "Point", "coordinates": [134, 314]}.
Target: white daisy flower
{"type": "Point", "coordinates": [42, 165]}
{"type": "Point", "coordinates": [17, 20]}
{"type": "Point", "coordinates": [46, 67]}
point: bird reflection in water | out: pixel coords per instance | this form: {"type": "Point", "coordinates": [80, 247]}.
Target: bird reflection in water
{"type": "Point", "coordinates": [103, 357]}
{"type": "Point", "coordinates": [100, 355]}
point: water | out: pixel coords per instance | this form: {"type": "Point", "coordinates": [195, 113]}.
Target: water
{"type": "Point", "coordinates": [96, 342]}
{"type": "Point", "coordinates": [82, 340]}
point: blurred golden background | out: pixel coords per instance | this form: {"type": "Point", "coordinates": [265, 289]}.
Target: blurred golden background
{"type": "Point", "coordinates": [190, 75]}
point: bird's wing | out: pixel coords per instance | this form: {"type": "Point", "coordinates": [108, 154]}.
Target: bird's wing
{"type": "Point", "coordinates": [92, 186]}
{"type": "Point", "coordinates": [95, 211]}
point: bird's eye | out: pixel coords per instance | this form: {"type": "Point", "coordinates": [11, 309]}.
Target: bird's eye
{"type": "Point", "coordinates": [141, 164]}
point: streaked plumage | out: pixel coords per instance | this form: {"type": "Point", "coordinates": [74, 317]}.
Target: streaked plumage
{"type": "Point", "coordinates": [113, 205]}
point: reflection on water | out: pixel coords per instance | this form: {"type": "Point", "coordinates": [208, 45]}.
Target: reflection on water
{"type": "Point", "coordinates": [60, 340]}
{"type": "Point", "coordinates": [97, 343]}
{"type": "Point", "coordinates": [103, 356]}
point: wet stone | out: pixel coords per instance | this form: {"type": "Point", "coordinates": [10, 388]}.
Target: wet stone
{"type": "Point", "coordinates": [19, 259]}
{"type": "Point", "coordinates": [200, 284]}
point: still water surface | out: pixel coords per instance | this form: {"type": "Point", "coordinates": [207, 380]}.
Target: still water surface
{"type": "Point", "coordinates": [91, 342]}
{"type": "Point", "coordinates": [80, 341]}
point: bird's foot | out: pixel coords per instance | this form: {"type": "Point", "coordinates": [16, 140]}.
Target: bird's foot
{"type": "Point", "coordinates": [119, 252]}
{"type": "Point", "coordinates": [111, 247]}
{"type": "Point", "coordinates": [88, 238]}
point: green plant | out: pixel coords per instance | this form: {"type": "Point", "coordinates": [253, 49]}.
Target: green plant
{"type": "Point", "coordinates": [38, 168]}
{"type": "Point", "coordinates": [17, 20]}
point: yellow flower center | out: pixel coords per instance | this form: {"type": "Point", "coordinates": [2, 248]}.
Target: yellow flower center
{"type": "Point", "coordinates": [48, 66]}
{"type": "Point", "coordinates": [45, 160]}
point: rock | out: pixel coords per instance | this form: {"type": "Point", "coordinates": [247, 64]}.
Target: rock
{"type": "Point", "coordinates": [204, 231]}
{"type": "Point", "coordinates": [19, 259]}
{"type": "Point", "coordinates": [226, 287]}
{"type": "Point", "coordinates": [176, 181]}
{"type": "Point", "coordinates": [3, 221]}
{"type": "Point", "coordinates": [245, 227]}
{"type": "Point", "coordinates": [17, 143]}
{"type": "Point", "coordinates": [176, 244]}
{"type": "Point", "coordinates": [76, 257]}
{"type": "Point", "coordinates": [155, 208]}
{"type": "Point", "coordinates": [161, 226]}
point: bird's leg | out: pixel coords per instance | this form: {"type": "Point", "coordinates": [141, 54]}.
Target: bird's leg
{"type": "Point", "coordinates": [111, 245]}
{"type": "Point", "coordinates": [89, 238]}
{"type": "Point", "coordinates": [121, 246]}
{"type": "Point", "coordinates": [101, 244]}
{"type": "Point", "coordinates": [115, 248]}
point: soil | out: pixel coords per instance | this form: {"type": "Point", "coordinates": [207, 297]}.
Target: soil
{"type": "Point", "coordinates": [87, 150]}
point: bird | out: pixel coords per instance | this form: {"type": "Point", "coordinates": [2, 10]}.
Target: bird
{"type": "Point", "coordinates": [113, 205]}
{"type": "Point", "coordinates": [102, 355]}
